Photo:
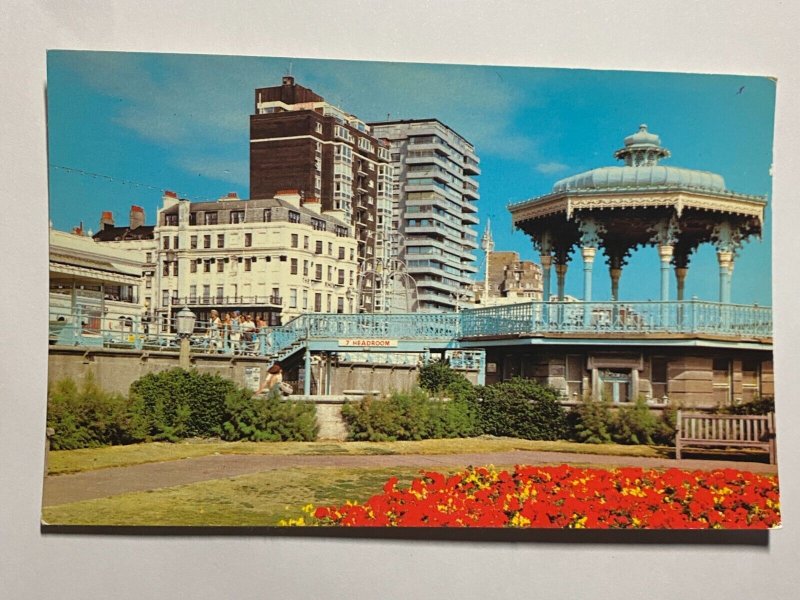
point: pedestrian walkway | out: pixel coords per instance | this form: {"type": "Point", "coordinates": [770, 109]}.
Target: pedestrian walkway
{"type": "Point", "coordinates": [62, 489]}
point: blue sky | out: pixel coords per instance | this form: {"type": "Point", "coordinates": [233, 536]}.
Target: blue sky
{"type": "Point", "coordinates": [180, 122]}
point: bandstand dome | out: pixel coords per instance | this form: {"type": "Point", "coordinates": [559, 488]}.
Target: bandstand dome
{"type": "Point", "coordinates": [608, 178]}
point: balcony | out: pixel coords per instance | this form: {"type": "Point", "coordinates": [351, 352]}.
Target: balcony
{"type": "Point", "coordinates": [217, 301]}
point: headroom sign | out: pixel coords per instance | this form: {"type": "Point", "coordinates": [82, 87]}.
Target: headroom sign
{"type": "Point", "coordinates": [369, 343]}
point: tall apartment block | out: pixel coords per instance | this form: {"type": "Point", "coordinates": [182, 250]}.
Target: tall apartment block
{"type": "Point", "coordinates": [434, 208]}
{"type": "Point", "coordinates": [299, 141]}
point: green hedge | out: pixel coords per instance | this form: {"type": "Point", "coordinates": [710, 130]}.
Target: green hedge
{"type": "Point", "coordinates": [409, 416]}
{"type": "Point", "coordinates": [596, 422]}
{"type": "Point", "coordinates": [268, 418]}
{"type": "Point", "coordinates": [85, 416]}
{"type": "Point", "coordinates": [521, 408]}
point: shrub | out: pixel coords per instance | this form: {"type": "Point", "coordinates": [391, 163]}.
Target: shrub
{"type": "Point", "coordinates": [592, 421]}
{"type": "Point", "coordinates": [268, 418]}
{"type": "Point", "coordinates": [634, 424]}
{"type": "Point", "coordinates": [408, 416]}
{"type": "Point", "coordinates": [439, 379]}
{"type": "Point", "coordinates": [522, 408]}
{"type": "Point", "coordinates": [177, 403]}
{"type": "Point", "coordinates": [756, 406]}
{"type": "Point", "coordinates": [85, 416]}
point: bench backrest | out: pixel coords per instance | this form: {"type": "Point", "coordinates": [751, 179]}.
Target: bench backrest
{"type": "Point", "coordinates": [734, 428]}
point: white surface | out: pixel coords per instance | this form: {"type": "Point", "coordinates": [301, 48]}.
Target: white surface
{"type": "Point", "coordinates": [737, 37]}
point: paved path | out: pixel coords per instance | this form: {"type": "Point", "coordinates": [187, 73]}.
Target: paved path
{"type": "Point", "coordinates": [62, 489]}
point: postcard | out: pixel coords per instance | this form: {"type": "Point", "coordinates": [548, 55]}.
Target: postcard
{"type": "Point", "coordinates": [289, 292]}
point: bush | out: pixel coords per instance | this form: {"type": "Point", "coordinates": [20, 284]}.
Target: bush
{"type": "Point", "coordinates": [268, 418]}
{"type": "Point", "coordinates": [408, 416]}
{"type": "Point", "coordinates": [522, 408]}
{"type": "Point", "coordinates": [175, 404]}
{"type": "Point", "coordinates": [592, 421]}
{"type": "Point", "coordinates": [756, 406]}
{"type": "Point", "coordinates": [634, 424]}
{"type": "Point", "coordinates": [85, 416]}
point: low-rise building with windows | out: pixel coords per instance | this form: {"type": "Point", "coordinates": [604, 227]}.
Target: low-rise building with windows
{"type": "Point", "coordinates": [274, 258]}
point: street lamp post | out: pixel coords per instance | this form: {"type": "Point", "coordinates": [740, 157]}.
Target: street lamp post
{"type": "Point", "coordinates": [184, 322]}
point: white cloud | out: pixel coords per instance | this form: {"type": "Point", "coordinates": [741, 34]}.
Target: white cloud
{"type": "Point", "coordinates": [551, 168]}
{"type": "Point", "coordinates": [236, 172]}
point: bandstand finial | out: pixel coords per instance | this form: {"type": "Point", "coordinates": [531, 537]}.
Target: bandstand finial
{"type": "Point", "coordinates": [642, 149]}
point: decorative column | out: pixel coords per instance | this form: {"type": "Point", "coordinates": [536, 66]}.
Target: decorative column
{"type": "Point", "coordinates": [547, 262]}
{"type": "Point", "coordinates": [561, 275]}
{"type": "Point", "coordinates": [307, 373]}
{"type": "Point", "coordinates": [589, 253]}
{"type": "Point", "coordinates": [725, 258]}
{"type": "Point", "coordinates": [680, 278]}
{"type": "Point", "coordinates": [665, 254]}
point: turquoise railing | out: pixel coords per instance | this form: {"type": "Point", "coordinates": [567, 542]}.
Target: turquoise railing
{"type": "Point", "coordinates": [533, 318]}
{"type": "Point", "coordinates": [687, 317]}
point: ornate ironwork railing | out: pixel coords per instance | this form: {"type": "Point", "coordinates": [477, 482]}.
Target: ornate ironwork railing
{"type": "Point", "coordinates": [687, 317]}
{"type": "Point", "coordinates": [610, 319]}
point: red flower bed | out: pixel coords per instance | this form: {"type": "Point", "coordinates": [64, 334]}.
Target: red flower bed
{"type": "Point", "coordinates": [567, 497]}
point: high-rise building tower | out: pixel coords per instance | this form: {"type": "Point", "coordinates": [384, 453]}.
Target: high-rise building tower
{"type": "Point", "coordinates": [298, 141]}
{"type": "Point", "coordinates": [434, 208]}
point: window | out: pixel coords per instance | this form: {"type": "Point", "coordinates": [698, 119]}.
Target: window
{"type": "Point", "coordinates": [175, 242]}
{"type": "Point", "coordinates": [220, 240]}
{"type": "Point", "coordinates": [293, 268]}
{"type": "Point", "coordinates": [319, 128]}
{"type": "Point", "coordinates": [148, 257]}
{"type": "Point", "coordinates": [341, 277]}
{"type": "Point", "coordinates": [658, 377]}
{"type": "Point", "coordinates": [175, 268]}
{"type": "Point", "coordinates": [206, 293]}
{"type": "Point", "coordinates": [305, 299]}
{"type": "Point", "coordinates": [722, 382]}
{"type": "Point", "coordinates": [237, 216]}
{"type": "Point", "coordinates": [330, 249]}
{"type": "Point", "coordinates": [220, 266]}
{"type": "Point", "coordinates": [317, 302]}
{"type": "Point", "coordinates": [574, 376]}
{"type": "Point", "coordinates": [305, 268]}
{"type": "Point", "coordinates": [247, 264]}
{"type": "Point", "coordinates": [340, 305]}
{"type": "Point", "coordinates": [165, 298]}
{"type": "Point", "coordinates": [330, 303]}
{"type": "Point", "coordinates": [210, 218]}
{"type": "Point", "coordinates": [206, 241]}
{"type": "Point", "coordinates": [267, 215]}
{"type": "Point", "coordinates": [276, 295]}
{"type": "Point", "coordinates": [305, 242]}
{"type": "Point", "coordinates": [295, 240]}
{"type": "Point", "coordinates": [352, 254]}
{"type": "Point", "coordinates": [351, 278]}
{"type": "Point", "coordinates": [220, 293]}
{"type": "Point", "coordinates": [193, 242]}
{"type": "Point", "coordinates": [165, 269]}
{"type": "Point", "coordinates": [192, 293]}
{"type": "Point", "coordinates": [318, 247]}
{"type": "Point", "coordinates": [248, 240]}
{"type": "Point", "coordinates": [170, 220]}
{"type": "Point", "coordinates": [193, 266]}
{"type": "Point", "coordinates": [292, 297]}
{"type": "Point", "coordinates": [318, 224]}
{"type": "Point", "coordinates": [166, 242]}
{"type": "Point", "coordinates": [294, 216]}
{"type": "Point", "coordinates": [206, 266]}
{"type": "Point", "coordinates": [318, 273]}
{"type": "Point", "coordinates": [148, 282]}
{"type": "Point", "coordinates": [750, 379]}
{"type": "Point", "coordinates": [341, 252]}
{"type": "Point", "coordinates": [330, 273]}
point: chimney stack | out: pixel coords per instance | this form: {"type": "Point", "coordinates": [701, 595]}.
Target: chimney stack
{"type": "Point", "coordinates": [288, 195]}
{"type": "Point", "coordinates": [106, 220]}
{"type": "Point", "coordinates": [136, 217]}
{"type": "Point", "coordinates": [312, 204]}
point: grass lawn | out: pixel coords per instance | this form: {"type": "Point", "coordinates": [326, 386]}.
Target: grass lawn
{"type": "Point", "coordinates": [75, 461]}
{"type": "Point", "coordinates": [262, 499]}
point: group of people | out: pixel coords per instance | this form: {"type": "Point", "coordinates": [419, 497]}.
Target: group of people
{"type": "Point", "coordinates": [240, 330]}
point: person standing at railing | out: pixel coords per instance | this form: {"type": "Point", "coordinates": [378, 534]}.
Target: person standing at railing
{"type": "Point", "coordinates": [248, 333]}
{"type": "Point", "coordinates": [213, 332]}
{"type": "Point", "coordinates": [262, 331]}
{"type": "Point", "coordinates": [236, 332]}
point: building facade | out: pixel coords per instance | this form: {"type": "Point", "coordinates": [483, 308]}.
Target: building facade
{"type": "Point", "coordinates": [300, 141]}
{"type": "Point", "coordinates": [434, 208]}
{"type": "Point", "coordinates": [274, 258]}
{"type": "Point", "coordinates": [510, 280]}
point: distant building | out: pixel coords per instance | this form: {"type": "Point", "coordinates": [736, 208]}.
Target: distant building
{"type": "Point", "coordinates": [434, 208]}
{"type": "Point", "coordinates": [510, 280]}
{"type": "Point", "coordinates": [299, 141]}
{"type": "Point", "coordinates": [272, 257]}
{"type": "Point", "coordinates": [93, 286]}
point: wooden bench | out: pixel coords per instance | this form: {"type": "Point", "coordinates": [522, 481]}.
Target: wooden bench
{"type": "Point", "coordinates": [733, 431]}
